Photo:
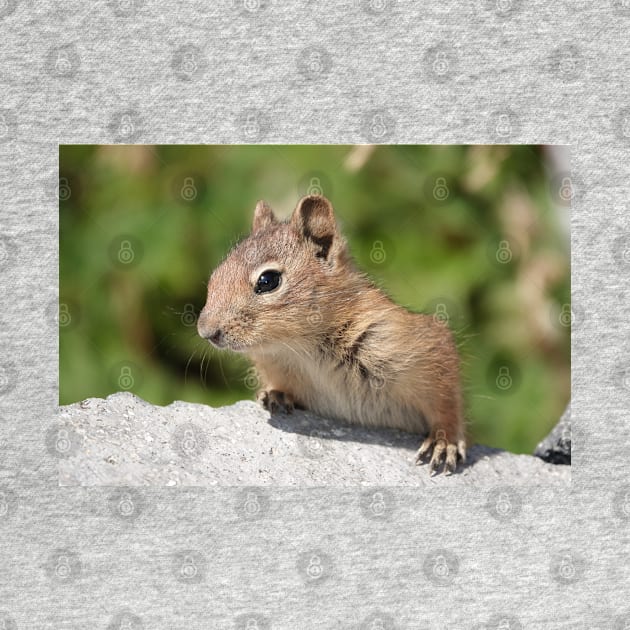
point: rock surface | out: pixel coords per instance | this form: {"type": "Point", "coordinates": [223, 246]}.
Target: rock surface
{"type": "Point", "coordinates": [123, 440]}
{"type": "Point", "coordinates": [556, 447]}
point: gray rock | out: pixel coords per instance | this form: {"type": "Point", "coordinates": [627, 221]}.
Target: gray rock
{"type": "Point", "coordinates": [123, 440]}
{"type": "Point", "coordinates": [556, 447]}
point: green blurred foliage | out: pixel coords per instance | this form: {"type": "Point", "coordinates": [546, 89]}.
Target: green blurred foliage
{"type": "Point", "coordinates": [470, 233]}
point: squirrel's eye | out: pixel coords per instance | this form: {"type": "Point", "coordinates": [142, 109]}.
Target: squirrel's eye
{"type": "Point", "coordinates": [267, 281]}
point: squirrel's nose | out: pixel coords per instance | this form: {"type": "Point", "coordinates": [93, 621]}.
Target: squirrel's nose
{"type": "Point", "coordinates": [215, 337]}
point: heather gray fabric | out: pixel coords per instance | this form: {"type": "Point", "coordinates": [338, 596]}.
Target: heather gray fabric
{"type": "Point", "coordinates": [260, 71]}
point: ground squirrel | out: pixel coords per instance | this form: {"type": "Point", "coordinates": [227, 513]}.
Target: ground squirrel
{"type": "Point", "coordinates": [323, 337]}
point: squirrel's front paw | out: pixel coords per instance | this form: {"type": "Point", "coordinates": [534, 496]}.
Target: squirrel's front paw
{"type": "Point", "coordinates": [441, 450]}
{"type": "Point", "coordinates": [274, 400]}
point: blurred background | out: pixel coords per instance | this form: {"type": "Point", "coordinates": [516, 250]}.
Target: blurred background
{"type": "Point", "coordinates": [476, 235]}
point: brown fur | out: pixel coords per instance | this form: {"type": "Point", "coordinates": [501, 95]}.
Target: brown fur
{"type": "Point", "coordinates": [327, 339]}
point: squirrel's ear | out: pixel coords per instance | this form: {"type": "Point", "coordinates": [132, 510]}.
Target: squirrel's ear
{"type": "Point", "coordinates": [263, 216]}
{"type": "Point", "coordinates": [313, 217]}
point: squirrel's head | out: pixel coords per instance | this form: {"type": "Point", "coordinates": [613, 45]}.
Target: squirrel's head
{"type": "Point", "coordinates": [275, 286]}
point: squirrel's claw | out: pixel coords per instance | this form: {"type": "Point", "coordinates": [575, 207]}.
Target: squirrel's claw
{"type": "Point", "coordinates": [442, 452]}
{"type": "Point", "coordinates": [275, 401]}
